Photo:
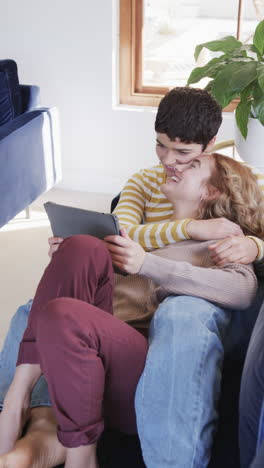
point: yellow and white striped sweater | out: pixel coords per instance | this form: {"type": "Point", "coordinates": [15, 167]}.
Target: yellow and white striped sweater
{"type": "Point", "coordinates": [145, 212]}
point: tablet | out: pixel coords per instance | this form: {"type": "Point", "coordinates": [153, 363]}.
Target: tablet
{"type": "Point", "coordinates": [68, 221]}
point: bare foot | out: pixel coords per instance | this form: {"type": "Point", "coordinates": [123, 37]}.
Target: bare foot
{"type": "Point", "coordinates": [40, 447]}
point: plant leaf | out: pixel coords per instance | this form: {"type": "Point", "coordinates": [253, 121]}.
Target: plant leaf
{"type": "Point", "coordinates": [232, 80]}
{"type": "Point", "coordinates": [254, 49]}
{"type": "Point", "coordinates": [258, 103]}
{"type": "Point", "coordinates": [258, 39]}
{"type": "Point", "coordinates": [257, 92]}
{"type": "Point", "coordinates": [260, 74]}
{"type": "Point", "coordinates": [242, 116]}
{"type": "Point", "coordinates": [259, 110]}
{"type": "Point", "coordinates": [244, 108]}
{"type": "Point", "coordinates": [227, 44]}
{"type": "Point", "coordinates": [210, 69]}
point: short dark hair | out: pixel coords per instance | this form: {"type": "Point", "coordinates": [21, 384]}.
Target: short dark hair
{"type": "Point", "coordinates": [190, 114]}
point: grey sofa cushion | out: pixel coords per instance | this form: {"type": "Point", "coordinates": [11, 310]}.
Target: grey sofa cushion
{"type": "Point", "coordinates": [10, 98]}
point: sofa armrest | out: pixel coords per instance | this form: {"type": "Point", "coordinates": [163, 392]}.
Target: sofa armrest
{"type": "Point", "coordinates": [19, 122]}
{"type": "Point", "coordinates": [30, 161]}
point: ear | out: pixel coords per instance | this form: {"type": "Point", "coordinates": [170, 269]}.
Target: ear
{"type": "Point", "coordinates": [210, 145]}
{"type": "Point", "coordinates": [210, 193]}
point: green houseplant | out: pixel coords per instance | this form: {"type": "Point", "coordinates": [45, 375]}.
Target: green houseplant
{"type": "Point", "coordinates": [237, 73]}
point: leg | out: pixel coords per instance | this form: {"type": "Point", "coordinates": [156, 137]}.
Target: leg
{"type": "Point", "coordinates": [9, 353]}
{"type": "Point", "coordinates": [178, 391]}
{"type": "Point", "coordinates": [251, 407]}
{"type": "Point", "coordinates": [81, 268]}
{"type": "Point", "coordinates": [92, 362]}
{"type": "Point", "coordinates": [8, 359]}
{"type": "Point", "coordinates": [40, 447]}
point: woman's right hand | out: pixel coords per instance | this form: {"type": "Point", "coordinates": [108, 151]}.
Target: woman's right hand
{"type": "Point", "coordinates": [54, 243]}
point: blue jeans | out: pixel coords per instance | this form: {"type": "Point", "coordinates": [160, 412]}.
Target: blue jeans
{"type": "Point", "coordinates": [177, 395]}
{"type": "Point", "coordinates": [8, 359]}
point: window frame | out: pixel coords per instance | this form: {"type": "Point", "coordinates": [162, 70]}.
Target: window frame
{"type": "Point", "coordinates": [131, 89]}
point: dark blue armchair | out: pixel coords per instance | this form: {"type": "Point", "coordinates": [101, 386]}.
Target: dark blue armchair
{"type": "Point", "coordinates": [29, 154]}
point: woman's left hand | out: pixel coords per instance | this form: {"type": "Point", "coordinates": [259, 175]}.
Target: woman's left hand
{"type": "Point", "coordinates": [234, 249]}
{"type": "Point", "coordinates": [126, 254]}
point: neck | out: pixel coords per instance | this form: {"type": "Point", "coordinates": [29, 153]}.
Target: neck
{"type": "Point", "coordinates": [184, 210]}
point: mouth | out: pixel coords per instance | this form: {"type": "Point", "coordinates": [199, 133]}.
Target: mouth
{"type": "Point", "coordinates": [174, 179]}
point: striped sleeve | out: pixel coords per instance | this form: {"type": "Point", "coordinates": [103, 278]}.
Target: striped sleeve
{"type": "Point", "coordinates": [259, 242]}
{"type": "Point", "coordinates": [131, 212]}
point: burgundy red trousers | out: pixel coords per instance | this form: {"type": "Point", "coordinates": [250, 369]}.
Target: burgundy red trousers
{"type": "Point", "coordinates": [91, 360]}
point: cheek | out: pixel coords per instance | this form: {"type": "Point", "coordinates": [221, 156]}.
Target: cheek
{"type": "Point", "coordinates": [160, 153]}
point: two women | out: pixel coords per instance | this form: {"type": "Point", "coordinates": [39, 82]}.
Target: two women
{"type": "Point", "coordinates": [91, 360]}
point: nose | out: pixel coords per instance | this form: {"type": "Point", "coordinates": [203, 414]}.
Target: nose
{"type": "Point", "coordinates": [179, 167]}
{"type": "Point", "coordinates": [174, 163]}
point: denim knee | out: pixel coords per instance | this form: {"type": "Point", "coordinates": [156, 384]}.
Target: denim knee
{"type": "Point", "coordinates": [189, 313]}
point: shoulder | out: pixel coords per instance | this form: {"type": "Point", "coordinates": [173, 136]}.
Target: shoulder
{"type": "Point", "coordinates": [153, 171]}
{"type": "Point", "coordinates": [154, 174]}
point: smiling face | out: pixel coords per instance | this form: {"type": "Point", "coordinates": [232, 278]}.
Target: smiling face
{"type": "Point", "coordinates": [193, 184]}
{"type": "Point", "coordinates": [176, 155]}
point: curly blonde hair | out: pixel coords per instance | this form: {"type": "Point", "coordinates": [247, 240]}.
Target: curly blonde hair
{"type": "Point", "coordinates": [239, 198]}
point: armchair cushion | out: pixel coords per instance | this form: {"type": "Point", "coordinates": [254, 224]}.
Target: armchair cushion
{"type": "Point", "coordinates": [10, 97]}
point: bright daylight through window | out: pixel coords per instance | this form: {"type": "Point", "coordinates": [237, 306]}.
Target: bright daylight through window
{"type": "Point", "coordinates": [172, 29]}
{"type": "Point", "coordinates": [158, 39]}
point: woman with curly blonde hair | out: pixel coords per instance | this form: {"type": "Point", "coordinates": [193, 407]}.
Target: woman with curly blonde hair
{"type": "Point", "coordinates": [239, 197]}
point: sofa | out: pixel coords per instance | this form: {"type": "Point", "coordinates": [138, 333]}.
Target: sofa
{"type": "Point", "coordinates": [30, 160]}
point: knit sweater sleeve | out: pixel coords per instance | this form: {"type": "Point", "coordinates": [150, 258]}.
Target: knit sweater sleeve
{"type": "Point", "coordinates": [131, 212]}
{"type": "Point", "coordinates": [231, 286]}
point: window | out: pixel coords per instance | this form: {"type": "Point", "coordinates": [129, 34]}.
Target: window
{"type": "Point", "coordinates": [158, 38]}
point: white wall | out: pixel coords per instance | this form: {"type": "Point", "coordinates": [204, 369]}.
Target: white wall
{"type": "Point", "coordinates": [66, 47]}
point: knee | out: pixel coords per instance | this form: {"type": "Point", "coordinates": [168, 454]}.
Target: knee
{"type": "Point", "coordinates": [81, 245]}
{"type": "Point", "coordinates": [81, 241]}
{"type": "Point", "coordinates": [77, 252]}
{"type": "Point", "coordinates": [52, 313]}
{"type": "Point", "coordinates": [65, 321]}
{"type": "Point", "coordinates": [65, 315]}
{"type": "Point", "coordinates": [187, 313]}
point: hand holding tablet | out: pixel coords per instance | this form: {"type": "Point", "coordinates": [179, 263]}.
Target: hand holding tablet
{"type": "Point", "coordinates": [68, 221]}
